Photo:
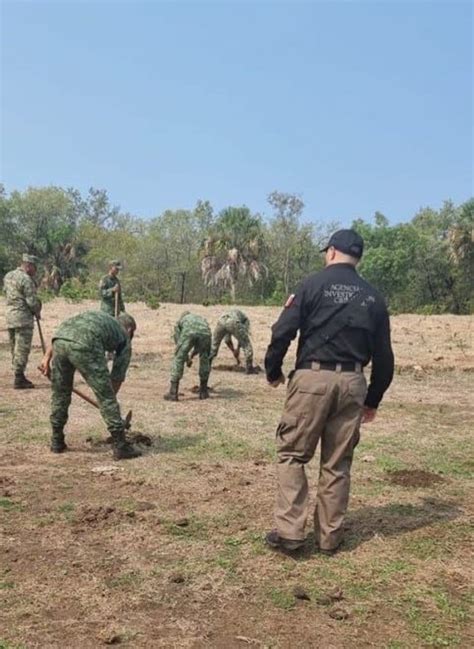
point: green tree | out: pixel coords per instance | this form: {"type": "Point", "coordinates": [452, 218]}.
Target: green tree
{"type": "Point", "coordinates": [7, 234]}
{"type": "Point", "coordinates": [46, 225]}
{"type": "Point", "coordinates": [293, 248]}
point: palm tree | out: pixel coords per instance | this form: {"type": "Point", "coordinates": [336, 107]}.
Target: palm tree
{"type": "Point", "coordinates": [63, 262]}
{"type": "Point", "coordinates": [233, 250]}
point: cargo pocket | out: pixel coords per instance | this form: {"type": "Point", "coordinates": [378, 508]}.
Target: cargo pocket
{"type": "Point", "coordinates": [288, 423]}
{"type": "Point", "coordinates": [291, 436]}
{"type": "Point", "coordinates": [358, 389]}
{"type": "Point", "coordinates": [312, 398]}
{"type": "Point", "coordinates": [317, 388]}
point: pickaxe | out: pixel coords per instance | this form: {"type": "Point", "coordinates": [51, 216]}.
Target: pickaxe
{"type": "Point", "coordinates": [128, 418]}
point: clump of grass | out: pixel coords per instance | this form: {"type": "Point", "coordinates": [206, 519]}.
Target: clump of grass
{"type": "Point", "coordinates": [434, 617]}
{"type": "Point", "coordinates": [126, 580]}
{"type": "Point", "coordinates": [282, 599]}
{"type": "Point", "coordinates": [10, 506]}
{"type": "Point", "coordinates": [5, 644]}
{"type": "Point", "coordinates": [195, 529]}
{"type": "Point", "coordinates": [67, 509]}
{"type": "Point", "coordinates": [390, 463]}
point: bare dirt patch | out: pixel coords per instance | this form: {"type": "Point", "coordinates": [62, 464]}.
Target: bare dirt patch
{"type": "Point", "coordinates": [414, 478]}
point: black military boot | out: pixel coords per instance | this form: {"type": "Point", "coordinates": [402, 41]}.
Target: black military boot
{"type": "Point", "coordinates": [203, 390]}
{"type": "Point", "coordinates": [251, 369]}
{"type": "Point", "coordinates": [58, 445]}
{"type": "Point", "coordinates": [21, 382]}
{"type": "Point", "coordinates": [172, 395]}
{"type": "Point", "coordinates": [123, 450]}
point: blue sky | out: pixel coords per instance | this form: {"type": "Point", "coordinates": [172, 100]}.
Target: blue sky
{"type": "Point", "coordinates": [357, 106]}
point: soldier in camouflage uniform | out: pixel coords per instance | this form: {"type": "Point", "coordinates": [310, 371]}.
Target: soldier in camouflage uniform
{"type": "Point", "coordinates": [234, 323]}
{"type": "Point", "coordinates": [22, 305]}
{"type": "Point", "coordinates": [80, 344]}
{"type": "Point", "coordinates": [109, 286]}
{"type": "Point", "coordinates": [192, 336]}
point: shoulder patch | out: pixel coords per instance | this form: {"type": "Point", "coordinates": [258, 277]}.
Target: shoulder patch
{"type": "Point", "coordinates": [289, 301]}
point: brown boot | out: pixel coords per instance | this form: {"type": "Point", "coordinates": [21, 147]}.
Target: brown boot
{"type": "Point", "coordinates": [277, 542]}
{"type": "Point", "coordinates": [21, 382]}
{"type": "Point", "coordinates": [252, 369]}
{"type": "Point", "coordinates": [172, 395]}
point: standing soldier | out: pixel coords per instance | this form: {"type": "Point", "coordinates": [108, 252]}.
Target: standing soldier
{"type": "Point", "coordinates": [80, 343]}
{"type": "Point", "coordinates": [22, 306]}
{"type": "Point", "coordinates": [234, 323]}
{"type": "Point", "coordinates": [192, 336]}
{"type": "Point", "coordinates": [343, 324]}
{"type": "Point", "coordinates": [110, 287]}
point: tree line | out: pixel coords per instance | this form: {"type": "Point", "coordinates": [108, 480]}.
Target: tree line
{"type": "Point", "coordinates": [423, 265]}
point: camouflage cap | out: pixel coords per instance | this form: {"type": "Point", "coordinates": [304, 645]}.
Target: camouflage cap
{"type": "Point", "coordinates": [115, 262]}
{"type": "Point", "coordinates": [30, 259]}
{"type": "Point", "coordinates": [127, 321]}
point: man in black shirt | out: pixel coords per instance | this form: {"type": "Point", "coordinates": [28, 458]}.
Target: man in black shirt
{"type": "Point", "coordinates": [343, 324]}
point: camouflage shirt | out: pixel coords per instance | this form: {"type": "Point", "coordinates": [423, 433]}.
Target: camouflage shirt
{"type": "Point", "coordinates": [191, 324]}
{"type": "Point", "coordinates": [22, 301]}
{"type": "Point", "coordinates": [98, 333]}
{"type": "Point", "coordinates": [234, 315]}
{"type": "Point", "coordinates": [107, 296]}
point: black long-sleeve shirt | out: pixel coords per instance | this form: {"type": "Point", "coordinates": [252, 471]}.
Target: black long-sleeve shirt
{"type": "Point", "coordinates": [318, 299]}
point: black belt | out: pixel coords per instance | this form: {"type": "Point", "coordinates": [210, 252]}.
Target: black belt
{"type": "Point", "coordinates": [345, 366]}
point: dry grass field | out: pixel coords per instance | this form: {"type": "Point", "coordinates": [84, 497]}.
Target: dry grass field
{"type": "Point", "coordinates": [167, 550]}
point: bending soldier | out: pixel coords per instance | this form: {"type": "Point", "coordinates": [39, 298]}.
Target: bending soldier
{"type": "Point", "coordinates": [109, 287]}
{"type": "Point", "coordinates": [22, 305]}
{"type": "Point", "coordinates": [80, 343]}
{"type": "Point", "coordinates": [234, 323]}
{"type": "Point", "coordinates": [192, 337]}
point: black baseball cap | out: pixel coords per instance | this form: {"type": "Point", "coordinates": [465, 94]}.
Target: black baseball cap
{"type": "Point", "coordinates": [347, 241]}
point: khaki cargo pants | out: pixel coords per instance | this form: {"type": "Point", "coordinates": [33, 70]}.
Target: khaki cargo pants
{"type": "Point", "coordinates": [326, 406]}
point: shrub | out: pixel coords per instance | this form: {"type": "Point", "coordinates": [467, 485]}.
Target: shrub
{"type": "Point", "coordinates": [74, 291]}
{"type": "Point", "coordinates": [152, 302]}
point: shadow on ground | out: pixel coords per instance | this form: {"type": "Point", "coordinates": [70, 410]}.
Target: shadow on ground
{"type": "Point", "coordinates": [393, 519]}
{"type": "Point", "coordinates": [227, 393]}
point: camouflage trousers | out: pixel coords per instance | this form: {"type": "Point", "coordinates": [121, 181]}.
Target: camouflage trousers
{"type": "Point", "coordinates": [91, 363]}
{"type": "Point", "coordinates": [108, 308]}
{"type": "Point", "coordinates": [200, 344]}
{"type": "Point", "coordinates": [225, 331]}
{"type": "Point", "coordinates": [20, 345]}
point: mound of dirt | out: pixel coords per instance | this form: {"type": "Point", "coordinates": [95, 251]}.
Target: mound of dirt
{"type": "Point", "coordinates": [139, 438]}
{"type": "Point", "coordinates": [229, 368]}
{"type": "Point", "coordinates": [414, 478]}
{"type": "Point", "coordinates": [94, 515]}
